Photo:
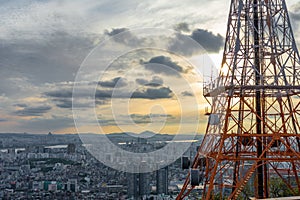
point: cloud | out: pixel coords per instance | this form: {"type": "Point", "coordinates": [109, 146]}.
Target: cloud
{"type": "Point", "coordinates": [103, 94]}
{"type": "Point", "coordinates": [210, 41]}
{"type": "Point", "coordinates": [182, 27]}
{"type": "Point", "coordinates": [201, 40]}
{"type": "Point", "coordinates": [153, 93]}
{"type": "Point", "coordinates": [165, 66]}
{"type": "Point", "coordinates": [59, 93]}
{"type": "Point", "coordinates": [21, 105]}
{"type": "Point", "coordinates": [64, 100]}
{"type": "Point", "coordinates": [295, 16]}
{"type": "Point", "coordinates": [27, 67]}
{"type": "Point", "coordinates": [136, 118]}
{"type": "Point", "coordinates": [3, 120]}
{"type": "Point", "coordinates": [141, 119]}
{"type": "Point", "coordinates": [148, 118]}
{"type": "Point", "coordinates": [186, 42]}
{"type": "Point", "coordinates": [62, 97]}
{"type": "Point", "coordinates": [152, 89]}
{"type": "Point", "coordinates": [64, 103]}
{"type": "Point", "coordinates": [187, 94]}
{"type": "Point", "coordinates": [43, 44]}
{"type": "Point", "coordinates": [34, 17]}
{"type": "Point", "coordinates": [33, 111]}
{"type": "Point", "coordinates": [100, 102]}
{"type": "Point", "coordinates": [107, 122]}
{"type": "Point", "coordinates": [116, 82]}
{"type": "Point", "coordinates": [46, 124]}
{"type": "Point", "coordinates": [124, 36]}
{"type": "Point", "coordinates": [147, 93]}
{"type": "Point", "coordinates": [141, 81]}
{"type": "Point", "coordinates": [115, 31]}
{"type": "Point", "coordinates": [156, 81]}
{"type": "Point", "coordinates": [55, 58]}
{"type": "Point", "coordinates": [67, 103]}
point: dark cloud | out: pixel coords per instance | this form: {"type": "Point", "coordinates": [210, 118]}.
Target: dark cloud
{"type": "Point", "coordinates": [81, 103]}
{"type": "Point", "coordinates": [156, 81]}
{"type": "Point", "coordinates": [187, 44]}
{"type": "Point", "coordinates": [62, 98]}
{"type": "Point", "coordinates": [153, 93]}
{"type": "Point", "coordinates": [148, 93]}
{"type": "Point", "coordinates": [64, 95]}
{"type": "Point", "coordinates": [115, 31]}
{"type": "Point", "coordinates": [142, 81]}
{"type": "Point", "coordinates": [103, 94]}
{"type": "Point", "coordinates": [153, 84]}
{"type": "Point", "coordinates": [116, 82]}
{"type": "Point", "coordinates": [33, 111]}
{"type": "Point", "coordinates": [124, 36]}
{"type": "Point", "coordinates": [187, 94]}
{"type": "Point", "coordinates": [107, 122]}
{"type": "Point", "coordinates": [165, 66]}
{"type": "Point", "coordinates": [63, 103]}
{"type": "Point", "coordinates": [182, 27]}
{"type": "Point", "coordinates": [21, 105]}
{"type": "Point", "coordinates": [3, 120]}
{"type": "Point", "coordinates": [202, 40]}
{"type": "Point", "coordinates": [145, 119]}
{"type": "Point", "coordinates": [67, 103]}
{"type": "Point", "coordinates": [140, 119]}
{"type": "Point", "coordinates": [59, 94]}
{"type": "Point", "coordinates": [136, 118]}
{"type": "Point", "coordinates": [100, 102]}
{"type": "Point", "coordinates": [210, 41]}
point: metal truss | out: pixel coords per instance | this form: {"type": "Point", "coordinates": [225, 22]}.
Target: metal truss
{"type": "Point", "coordinates": [253, 130]}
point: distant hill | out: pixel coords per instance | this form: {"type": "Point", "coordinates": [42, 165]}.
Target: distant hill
{"type": "Point", "coordinates": [129, 136]}
{"type": "Point", "coordinates": [25, 139]}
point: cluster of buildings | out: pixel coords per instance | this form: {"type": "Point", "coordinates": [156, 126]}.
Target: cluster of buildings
{"type": "Point", "coordinates": [69, 171]}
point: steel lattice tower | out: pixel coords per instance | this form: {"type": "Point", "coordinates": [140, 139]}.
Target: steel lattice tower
{"type": "Point", "coordinates": [253, 129]}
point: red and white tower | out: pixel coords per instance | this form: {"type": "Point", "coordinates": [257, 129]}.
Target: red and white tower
{"type": "Point", "coordinates": [252, 137]}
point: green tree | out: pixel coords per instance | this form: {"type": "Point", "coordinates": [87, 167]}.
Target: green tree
{"type": "Point", "coordinates": [278, 188]}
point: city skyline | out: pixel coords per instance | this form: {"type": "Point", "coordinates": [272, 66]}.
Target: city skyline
{"type": "Point", "coordinates": [44, 43]}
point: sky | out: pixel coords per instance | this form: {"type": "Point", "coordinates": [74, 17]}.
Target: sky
{"type": "Point", "coordinates": [44, 45]}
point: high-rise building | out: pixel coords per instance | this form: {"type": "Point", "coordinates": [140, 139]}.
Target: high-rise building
{"type": "Point", "coordinates": [144, 184]}
{"type": "Point", "coordinates": [138, 185]}
{"type": "Point", "coordinates": [71, 148]}
{"type": "Point", "coordinates": [132, 186]}
{"type": "Point", "coordinates": [162, 182]}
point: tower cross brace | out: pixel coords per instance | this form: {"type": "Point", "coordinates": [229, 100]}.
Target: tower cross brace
{"type": "Point", "coordinates": [252, 137]}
